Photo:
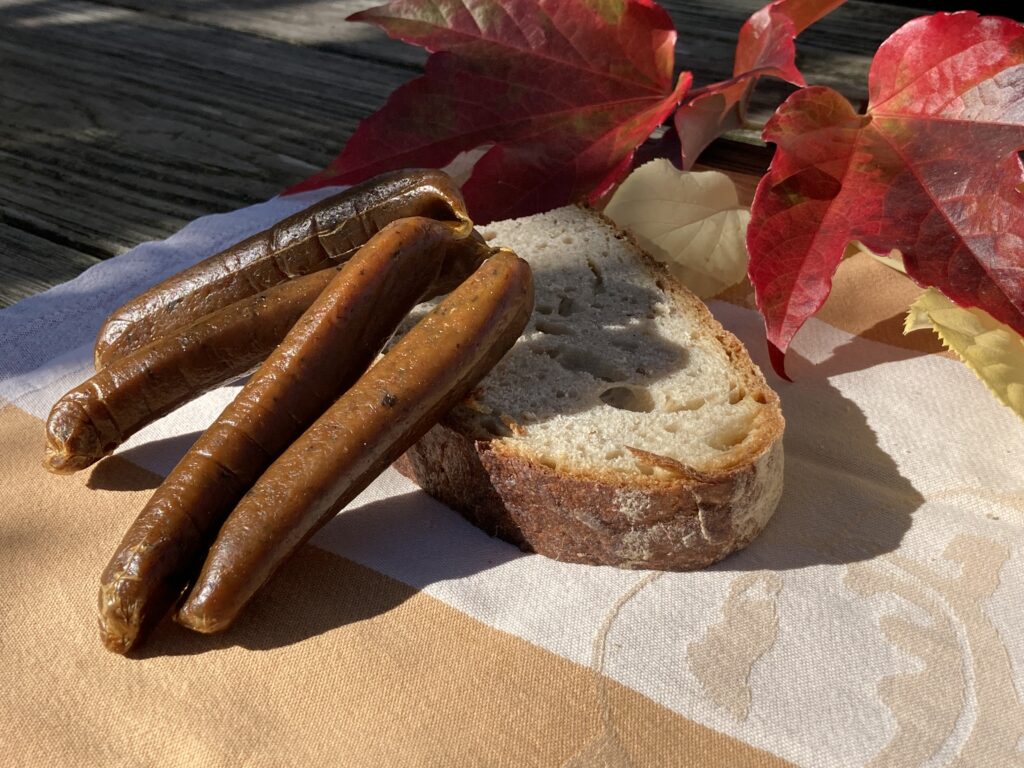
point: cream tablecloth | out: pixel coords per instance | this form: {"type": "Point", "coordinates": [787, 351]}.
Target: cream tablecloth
{"type": "Point", "coordinates": [877, 621]}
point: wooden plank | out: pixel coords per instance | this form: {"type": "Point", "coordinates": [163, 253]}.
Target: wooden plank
{"type": "Point", "coordinates": [317, 23]}
{"type": "Point", "coordinates": [35, 263]}
{"type": "Point", "coordinates": [836, 52]}
{"type": "Point", "coordinates": [118, 127]}
{"type": "Point", "coordinates": [835, 47]}
{"type": "Point", "coordinates": [121, 120]}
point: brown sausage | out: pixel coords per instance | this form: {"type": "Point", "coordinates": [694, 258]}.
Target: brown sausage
{"type": "Point", "coordinates": [427, 372]}
{"type": "Point", "coordinates": [326, 351]}
{"type": "Point", "coordinates": [321, 236]}
{"type": "Point", "coordinates": [98, 415]}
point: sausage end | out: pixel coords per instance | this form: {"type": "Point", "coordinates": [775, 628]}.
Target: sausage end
{"type": "Point", "coordinates": [197, 614]}
{"type": "Point", "coordinates": [197, 621]}
{"type": "Point", "coordinates": [72, 440]}
{"type": "Point", "coordinates": [119, 628]}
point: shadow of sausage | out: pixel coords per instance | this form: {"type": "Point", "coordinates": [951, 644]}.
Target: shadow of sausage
{"type": "Point", "coordinates": [844, 501]}
{"type": "Point", "coordinates": [592, 335]}
{"type": "Point", "coordinates": [313, 593]}
{"type": "Point", "coordinates": [124, 470]}
{"type": "Point", "coordinates": [318, 591]}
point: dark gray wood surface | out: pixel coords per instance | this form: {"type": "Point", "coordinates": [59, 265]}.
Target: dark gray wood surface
{"type": "Point", "coordinates": [121, 120]}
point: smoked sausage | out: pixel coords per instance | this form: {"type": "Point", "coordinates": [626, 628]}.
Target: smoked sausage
{"type": "Point", "coordinates": [429, 370]}
{"type": "Point", "coordinates": [323, 354]}
{"type": "Point", "coordinates": [95, 417]}
{"type": "Point", "coordinates": [98, 415]}
{"type": "Point", "coordinates": [321, 236]}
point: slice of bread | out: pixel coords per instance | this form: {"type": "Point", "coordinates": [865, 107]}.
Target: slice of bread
{"type": "Point", "coordinates": [625, 427]}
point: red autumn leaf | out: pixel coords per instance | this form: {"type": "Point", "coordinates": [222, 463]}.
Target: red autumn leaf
{"type": "Point", "coordinates": [564, 90]}
{"type": "Point", "coordinates": [765, 47]}
{"type": "Point", "coordinates": [932, 169]}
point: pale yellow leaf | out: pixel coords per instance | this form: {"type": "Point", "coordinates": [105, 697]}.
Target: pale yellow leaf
{"type": "Point", "coordinates": [994, 351]}
{"type": "Point", "coordinates": [691, 222]}
{"type": "Point", "coordinates": [893, 259]}
{"type": "Point", "coordinates": [461, 166]}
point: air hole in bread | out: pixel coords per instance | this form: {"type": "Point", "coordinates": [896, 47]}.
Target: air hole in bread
{"type": "Point", "coordinates": [736, 394]}
{"type": "Point", "coordinates": [582, 361]}
{"type": "Point", "coordinates": [672, 405]}
{"type": "Point", "coordinates": [645, 469]}
{"type": "Point", "coordinates": [615, 453]}
{"type": "Point", "coordinates": [567, 306]}
{"type": "Point", "coordinates": [671, 428]}
{"type": "Point", "coordinates": [628, 399]}
{"type": "Point", "coordinates": [729, 438]}
{"type": "Point", "coordinates": [553, 328]}
{"type": "Point", "coordinates": [598, 277]}
{"type": "Point", "coordinates": [760, 397]}
{"type": "Point", "coordinates": [567, 239]}
{"type": "Point", "coordinates": [544, 309]}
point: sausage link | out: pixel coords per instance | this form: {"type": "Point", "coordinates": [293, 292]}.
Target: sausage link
{"type": "Point", "coordinates": [95, 417]}
{"type": "Point", "coordinates": [98, 415]}
{"type": "Point", "coordinates": [323, 354]}
{"type": "Point", "coordinates": [427, 372]}
{"type": "Point", "coordinates": [318, 237]}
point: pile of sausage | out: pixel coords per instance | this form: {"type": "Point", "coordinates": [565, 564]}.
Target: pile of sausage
{"type": "Point", "coordinates": [311, 301]}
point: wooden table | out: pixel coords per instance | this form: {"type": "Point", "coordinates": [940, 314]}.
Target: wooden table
{"type": "Point", "coordinates": [121, 120]}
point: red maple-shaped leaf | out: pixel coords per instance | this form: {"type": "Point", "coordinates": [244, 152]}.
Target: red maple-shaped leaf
{"type": "Point", "coordinates": [562, 91]}
{"type": "Point", "coordinates": [765, 47]}
{"type": "Point", "coordinates": [932, 169]}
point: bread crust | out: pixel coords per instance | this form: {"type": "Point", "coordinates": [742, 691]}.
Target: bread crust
{"type": "Point", "coordinates": [677, 518]}
{"type": "Point", "coordinates": [679, 525]}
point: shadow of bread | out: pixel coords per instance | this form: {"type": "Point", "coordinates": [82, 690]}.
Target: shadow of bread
{"type": "Point", "coordinates": [844, 499]}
